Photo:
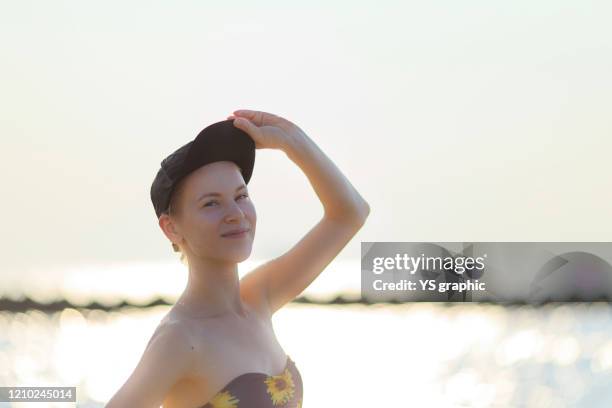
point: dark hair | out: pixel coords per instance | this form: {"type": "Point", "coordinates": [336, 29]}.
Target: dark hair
{"type": "Point", "coordinates": [173, 210]}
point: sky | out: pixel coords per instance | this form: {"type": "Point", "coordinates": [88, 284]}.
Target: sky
{"type": "Point", "coordinates": [456, 121]}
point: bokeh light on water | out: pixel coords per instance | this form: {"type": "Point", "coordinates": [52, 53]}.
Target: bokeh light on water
{"type": "Point", "coordinates": [463, 355]}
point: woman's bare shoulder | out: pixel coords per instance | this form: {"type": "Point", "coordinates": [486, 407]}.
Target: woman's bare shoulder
{"type": "Point", "coordinates": [174, 323]}
{"type": "Point", "coordinates": [175, 332]}
{"type": "Point", "coordinates": [195, 332]}
{"type": "Point", "coordinates": [254, 299]}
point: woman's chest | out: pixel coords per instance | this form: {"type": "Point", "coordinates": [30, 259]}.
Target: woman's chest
{"type": "Point", "coordinates": [226, 350]}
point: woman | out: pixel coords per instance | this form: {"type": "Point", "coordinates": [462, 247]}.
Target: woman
{"type": "Point", "coordinates": [216, 346]}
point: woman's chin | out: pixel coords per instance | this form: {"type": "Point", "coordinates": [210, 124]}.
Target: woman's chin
{"type": "Point", "coordinates": [239, 256]}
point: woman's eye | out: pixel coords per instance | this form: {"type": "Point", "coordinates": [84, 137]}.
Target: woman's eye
{"type": "Point", "coordinates": [214, 202]}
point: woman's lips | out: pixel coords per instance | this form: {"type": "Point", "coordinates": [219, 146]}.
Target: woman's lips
{"type": "Point", "coordinates": [236, 235]}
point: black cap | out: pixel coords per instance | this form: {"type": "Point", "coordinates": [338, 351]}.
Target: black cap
{"type": "Point", "coordinates": [221, 141]}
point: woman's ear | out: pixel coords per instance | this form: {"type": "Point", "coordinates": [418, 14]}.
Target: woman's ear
{"type": "Point", "coordinates": [169, 229]}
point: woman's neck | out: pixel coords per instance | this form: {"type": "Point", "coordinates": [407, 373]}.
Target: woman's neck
{"type": "Point", "coordinates": [213, 290]}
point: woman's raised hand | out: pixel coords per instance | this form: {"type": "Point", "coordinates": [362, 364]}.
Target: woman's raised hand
{"type": "Point", "coordinates": [267, 130]}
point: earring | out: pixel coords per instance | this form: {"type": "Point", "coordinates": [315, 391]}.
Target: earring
{"type": "Point", "coordinates": [175, 247]}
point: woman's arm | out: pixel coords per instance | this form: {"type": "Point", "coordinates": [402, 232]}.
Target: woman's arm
{"type": "Point", "coordinates": [340, 199]}
{"type": "Point", "coordinates": [167, 358]}
{"type": "Point", "coordinates": [345, 211]}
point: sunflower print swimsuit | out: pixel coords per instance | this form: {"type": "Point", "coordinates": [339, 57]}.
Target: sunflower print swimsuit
{"type": "Point", "coordinates": [259, 390]}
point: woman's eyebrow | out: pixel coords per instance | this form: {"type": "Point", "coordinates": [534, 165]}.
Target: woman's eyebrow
{"type": "Point", "coordinates": [218, 194]}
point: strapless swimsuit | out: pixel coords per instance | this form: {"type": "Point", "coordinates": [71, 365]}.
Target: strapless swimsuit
{"type": "Point", "coordinates": [259, 390]}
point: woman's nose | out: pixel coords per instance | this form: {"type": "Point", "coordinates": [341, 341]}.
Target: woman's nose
{"type": "Point", "coordinates": [234, 213]}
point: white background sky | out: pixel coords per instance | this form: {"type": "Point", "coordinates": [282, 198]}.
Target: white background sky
{"type": "Point", "coordinates": [457, 121]}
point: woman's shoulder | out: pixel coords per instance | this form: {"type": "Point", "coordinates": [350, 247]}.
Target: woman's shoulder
{"type": "Point", "coordinates": [184, 338]}
{"type": "Point", "coordinates": [195, 332]}
{"type": "Point", "coordinates": [178, 323]}
{"type": "Point", "coordinates": [255, 301]}
{"type": "Point", "coordinates": [173, 331]}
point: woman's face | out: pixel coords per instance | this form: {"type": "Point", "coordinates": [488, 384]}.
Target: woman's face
{"type": "Point", "coordinates": [214, 200]}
